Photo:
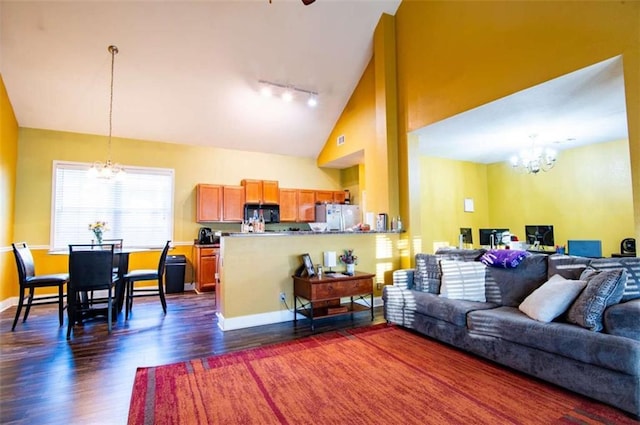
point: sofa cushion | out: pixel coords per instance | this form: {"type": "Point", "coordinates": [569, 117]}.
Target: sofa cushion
{"type": "Point", "coordinates": [551, 299]}
{"type": "Point", "coordinates": [445, 309]}
{"type": "Point", "coordinates": [503, 258]}
{"type": "Point", "coordinates": [460, 254]}
{"type": "Point", "coordinates": [462, 280]}
{"type": "Point", "coordinates": [427, 274]}
{"type": "Point", "coordinates": [631, 265]}
{"type": "Point", "coordinates": [516, 284]}
{"type": "Point", "coordinates": [623, 319]}
{"type": "Point", "coordinates": [567, 266]}
{"type": "Point", "coordinates": [604, 288]}
{"type": "Point", "coordinates": [568, 340]}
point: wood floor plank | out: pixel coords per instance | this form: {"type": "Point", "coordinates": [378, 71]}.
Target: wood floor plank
{"type": "Point", "coordinates": [46, 379]}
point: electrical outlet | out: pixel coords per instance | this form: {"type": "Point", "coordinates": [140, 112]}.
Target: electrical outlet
{"type": "Point", "coordinates": [379, 285]}
{"type": "Point", "coordinates": [282, 296]}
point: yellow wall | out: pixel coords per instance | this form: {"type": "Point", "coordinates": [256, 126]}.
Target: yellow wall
{"type": "Point", "coordinates": [8, 159]}
{"type": "Point", "coordinates": [444, 186]}
{"type": "Point", "coordinates": [587, 195]}
{"type": "Point", "coordinates": [369, 124]}
{"type": "Point", "coordinates": [454, 56]}
{"type": "Point", "coordinates": [257, 268]}
{"type": "Point", "coordinates": [37, 149]}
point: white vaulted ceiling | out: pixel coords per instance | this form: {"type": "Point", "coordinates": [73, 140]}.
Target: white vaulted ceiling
{"type": "Point", "coordinates": [187, 72]}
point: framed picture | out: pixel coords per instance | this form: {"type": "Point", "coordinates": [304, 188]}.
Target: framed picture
{"type": "Point", "coordinates": [308, 265]}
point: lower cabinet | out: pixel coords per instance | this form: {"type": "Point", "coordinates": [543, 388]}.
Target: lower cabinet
{"type": "Point", "coordinates": [206, 268]}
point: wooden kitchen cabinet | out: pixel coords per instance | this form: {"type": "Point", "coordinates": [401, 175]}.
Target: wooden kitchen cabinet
{"type": "Point", "coordinates": [306, 205]}
{"type": "Point", "coordinates": [270, 192]}
{"type": "Point", "coordinates": [260, 191]}
{"type": "Point", "coordinates": [206, 268]}
{"type": "Point", "coordinates": [233, 203]}
{"type": "Point", "coordinates": [324, 196]}
{"type": "Point", "coordinates": [339, 196]}
{"type": "Point", "coordinates": [208, 203]}
{"type": "Point", "coordinates": [288, 205]}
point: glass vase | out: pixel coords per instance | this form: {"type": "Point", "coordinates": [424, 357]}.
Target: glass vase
{"type": "Point", "coordinates": [351, 268]}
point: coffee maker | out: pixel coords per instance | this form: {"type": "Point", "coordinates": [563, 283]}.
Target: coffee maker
{"type": "Point", "coordinates": [206, 236]}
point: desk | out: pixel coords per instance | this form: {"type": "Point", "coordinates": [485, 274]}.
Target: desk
{"type": "Point", "coordinates": [323, 295]}
{"type": "Point", "coordinates": [123, 268]}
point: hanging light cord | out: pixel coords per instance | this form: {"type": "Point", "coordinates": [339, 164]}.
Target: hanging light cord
{"type": "Point", "coordinates": [114, 51]}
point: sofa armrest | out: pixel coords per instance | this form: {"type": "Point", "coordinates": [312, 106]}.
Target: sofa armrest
{"type": "Point", "coordinates": [623, 319]}
{"type": "Point", "coordinates": [403, 278]}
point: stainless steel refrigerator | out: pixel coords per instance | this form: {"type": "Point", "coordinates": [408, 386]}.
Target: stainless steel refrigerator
{"type": "Point", "coordinates": [338, 216]}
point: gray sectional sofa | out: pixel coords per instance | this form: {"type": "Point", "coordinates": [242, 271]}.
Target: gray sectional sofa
{"type": "Point", "coordinates": [594, 355]}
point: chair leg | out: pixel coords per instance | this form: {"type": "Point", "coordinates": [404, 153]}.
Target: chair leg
{"type": "Point", "coordinates": [161, 291]}
{"type": "Point", "coordinates": [71, 311]}
{"type": "Point", "coordinates": [61, 304]}
{"type": "Point", "coordinates": [109, 304]}
{"type": "Point", "coordinates": [127, 301]}
{"type": "Point", "coordinates": [28, 309]}
{"type": "Point", "coordinates": [20, 302]}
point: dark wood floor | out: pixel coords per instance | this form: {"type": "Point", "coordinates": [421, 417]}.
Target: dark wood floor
{"type": "Point", "coordinates": [45, 379]}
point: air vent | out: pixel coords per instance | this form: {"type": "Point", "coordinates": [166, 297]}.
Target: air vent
{"type": "Point", "coordinates": [341, 140]}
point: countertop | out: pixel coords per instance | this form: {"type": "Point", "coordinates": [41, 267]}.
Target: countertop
{"type": "Point", "coordinates": [306, 233]}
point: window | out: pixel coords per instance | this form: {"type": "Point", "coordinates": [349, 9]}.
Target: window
{"type": "Point", "coordinates": [137, 208]}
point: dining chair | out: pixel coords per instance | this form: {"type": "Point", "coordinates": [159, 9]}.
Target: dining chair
{"type": "Point", "coordinates": [28, 279]}
{"type": "Point", "coordinates": [146, 274]}
{"type": "Point", "coordinates": [90, 269]}
{"type": "Point", "coordinates": [118, 266]}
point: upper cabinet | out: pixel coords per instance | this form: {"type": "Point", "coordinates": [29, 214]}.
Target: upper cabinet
{"type": "Point", "coordinates": [306, 205]}
{"type": "Point", "coordinates": [324, 196]}
{"type": "Point", "coordinates": [261, 191]}
{"type": "Point", "coordinates": [233, 203]}
{"type": "Point", "coordinates": [208, 202]}
{"type": "Point", "coordinates": [288, 205]}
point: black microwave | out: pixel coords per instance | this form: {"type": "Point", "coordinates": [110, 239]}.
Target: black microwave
{"type": "Point", "coordinates": [271, 213]}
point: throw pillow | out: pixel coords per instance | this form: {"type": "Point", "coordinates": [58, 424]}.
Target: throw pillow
{"type": "Point", "coordinates": [604, 288]}
{"type": "Point", "coordinates": [462, 280]}
{"type": "Point", "coordinates": [552, 299]}
{"type": "Point", "coordinates": [427, 274]}
{"type": "Point", "coordinates": [503, 258]}
{"type": "Point", "coordinates": [631, 265]}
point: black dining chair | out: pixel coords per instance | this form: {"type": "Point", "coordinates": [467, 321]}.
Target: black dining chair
{"type": "Point", "coordinates": [146, 274]}
{"type": "Point", "coordinates": [28, 279]}
{"type": "Point", "coordinates": [118, 266]}
{"type": "Point", "coordinates": [90, 269]}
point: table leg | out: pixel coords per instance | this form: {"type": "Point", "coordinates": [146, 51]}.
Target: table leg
{"type": "Point", "coordinates": [371, 307]}
{"type": "Point", "coordinates": [295, 311]}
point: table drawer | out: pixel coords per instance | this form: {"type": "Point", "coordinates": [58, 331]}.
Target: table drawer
{"type": "Point", "coordinates": [341, 289]}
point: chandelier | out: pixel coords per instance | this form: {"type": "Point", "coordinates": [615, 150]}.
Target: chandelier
{"type": "Point", "coordinates": [107, 169]}
{"type": "Point", "coordinates": [535, 159]}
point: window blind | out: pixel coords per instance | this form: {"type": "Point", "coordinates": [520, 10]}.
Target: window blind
{"type": "Point", "coordinates": [137, 208]}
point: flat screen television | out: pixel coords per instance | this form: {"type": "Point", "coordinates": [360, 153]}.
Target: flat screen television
{"type": "Point", "coordinates": [485, 236]}
{"type": "Point", "coordinates": [591, 249]}
{"type": "Point", "coordinates": [542, 234]}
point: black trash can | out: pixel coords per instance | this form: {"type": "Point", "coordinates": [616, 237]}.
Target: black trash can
{"type": "Point", "coordinates": [174, 274]}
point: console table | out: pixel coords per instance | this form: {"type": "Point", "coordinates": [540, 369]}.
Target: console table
{"type": "Point", "coordinates": [323, 295]}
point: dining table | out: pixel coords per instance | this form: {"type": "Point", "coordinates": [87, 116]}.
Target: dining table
{"type": "Point", "coordinates": [122, 254]}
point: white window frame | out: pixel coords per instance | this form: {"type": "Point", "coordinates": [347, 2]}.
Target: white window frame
{"type": "Point", "coordinates": [82, 232]}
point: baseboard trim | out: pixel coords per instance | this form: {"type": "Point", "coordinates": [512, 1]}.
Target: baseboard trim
{"type": "Point", "coordinates": [229, 324]}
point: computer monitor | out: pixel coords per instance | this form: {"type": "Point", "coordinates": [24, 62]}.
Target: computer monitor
{"type": "Point", "coordinates": [542, 234]}
{"type": "Point", "coordinates": [592, 249]}
{"type": "Point", "coordinates": [491, 237]}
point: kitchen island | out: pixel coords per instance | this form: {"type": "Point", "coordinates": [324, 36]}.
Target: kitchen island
{"type": "Point", "coordinates": [255, 268]}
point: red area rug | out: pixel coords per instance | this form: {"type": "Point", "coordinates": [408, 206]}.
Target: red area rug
{"type": "Point", "coordinates": [374, 375]}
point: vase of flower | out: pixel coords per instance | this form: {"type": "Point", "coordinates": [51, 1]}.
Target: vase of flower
{"type": "Point", "coordinates": [98, 228]}
{"type": "Point", "coordinates": [349, 260]}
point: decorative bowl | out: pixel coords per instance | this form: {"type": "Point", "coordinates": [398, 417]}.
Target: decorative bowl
{"type": "Point", "coordinates": [318, 227]}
